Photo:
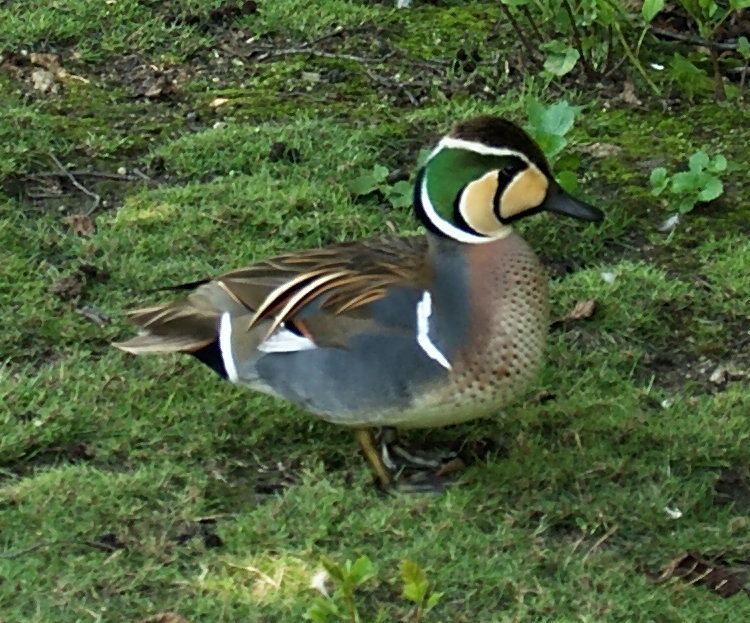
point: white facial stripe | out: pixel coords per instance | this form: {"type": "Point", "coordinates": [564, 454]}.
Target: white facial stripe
{"type": "Point", "coordinates": [448, 142]}
{"type": "Point", "coordinates": [225, 346]}
{"type": "Point", "coordinates": [424, 311]}
{"type": "Point", "coordinates": [446, 227]}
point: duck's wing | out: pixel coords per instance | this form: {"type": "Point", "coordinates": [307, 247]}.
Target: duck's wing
{"type": "Point", "coordinates": [314, 297]}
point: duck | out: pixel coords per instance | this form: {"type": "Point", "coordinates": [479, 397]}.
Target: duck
{"type": "Point", "coordinates": [397, 332]}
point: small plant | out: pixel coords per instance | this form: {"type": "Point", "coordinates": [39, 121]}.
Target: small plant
{"type": "Point", "coordinates": [700, 183]}
{"type": "Point", "coordinates": [417, 589]}
{"type": "Point", "coordinates": [548, 126]}
{"type": "Point", "coordinates": [399, 194]}
{"type": "Point", "coordinates": [708, 16]}
{"type": "Point", "coordinates": [590, 34]}
{"type": "Point", "coordinates": [341, 606]}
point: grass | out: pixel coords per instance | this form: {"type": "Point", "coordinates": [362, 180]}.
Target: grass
{"type": "Point", "coordinates": [115, 472]}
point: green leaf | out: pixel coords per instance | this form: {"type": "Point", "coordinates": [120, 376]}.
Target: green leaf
{"type": "Point", "coordinates": [323, 610]}
{"type": "Point", "coordinates": [568, 180]}
{"type": "Point", "coordinates": [559, 118]}
{"type": "Point", "coordinates": [658, 180]}
{"type": "Point", "coordinates": [361, 570]}
{"type": "Point", "coordinates": [718, 164]}
{"type": "Point", "coordinates": [561, 62]}
{"type": "Point", "coordinates": [415, 581]}
{"type": "Point", "coordinates": [743, 47]}
{"type": "Point", "coordinates": [685, 182]}
{"type": "Point", "coordinates": [432, 601]}
{"type": "Point", "coordinates": [334, 569]}
{"type": "Point", "coordinates": [379, 172]}
{"type": "Point", "coordinates": [551, 144]}
{"type": "Point", "coordinates": [363, 185]}
{"type": "Point", "coordinates": [687, 204]}
{"type": "Point", "coordinates": [401, 194]}
{"type": "Point", "coordinates": [738, 5]}
{"type": "Point", "coordinates": [698, 161]}
{"type": "Point", "coordinates": [650, 8]}
{"type": "Point", "coordinates": [712, 189]}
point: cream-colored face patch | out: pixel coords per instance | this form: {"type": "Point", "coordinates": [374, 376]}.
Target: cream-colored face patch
{"type": "Point", "coordinates": [477, 204]}
{"type": "Point", "coordinates": [525, 191]}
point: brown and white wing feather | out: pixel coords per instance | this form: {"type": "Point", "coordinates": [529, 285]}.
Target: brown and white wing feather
{"type": "Point", "coordinates": [343, 278]}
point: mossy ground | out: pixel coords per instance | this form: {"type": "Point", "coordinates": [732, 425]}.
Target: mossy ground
{"type": "Point", "coordinates": [114, 470]}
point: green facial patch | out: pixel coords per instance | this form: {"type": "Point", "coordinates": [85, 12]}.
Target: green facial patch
{"type": "Point", "coordinates": [452, 169]}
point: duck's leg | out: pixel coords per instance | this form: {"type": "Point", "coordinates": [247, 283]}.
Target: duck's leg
{"type": "Point", "coordinates": [366, 442]}
{"type": "Point", "coordinates": [397, 457]}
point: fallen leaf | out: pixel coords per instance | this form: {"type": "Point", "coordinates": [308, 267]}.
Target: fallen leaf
{"type": "Point", "coordinates": [165, 617]}
{"type": "Point", "coordinates": [581, 311]}
{"type": "Point", "coordinates": [51, 62]}
{"type": "Point", "coordinates": [725, 373]}
{"type": "Point", "coordinates": [692, 568]}
{"type": "Point", "coordinates": [81, 224]}
{"type": "Point", "coordinates": [44, 81]}
{"type": "Point", "coordinates": [628, 94]}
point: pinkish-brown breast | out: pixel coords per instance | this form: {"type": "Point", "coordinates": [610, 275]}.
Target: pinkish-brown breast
{"type": "Point", "coordinates": [509, 322]}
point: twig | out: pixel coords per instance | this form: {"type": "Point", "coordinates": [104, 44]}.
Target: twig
{"type": "Point", "coordinates": [102, 174]}
{"type": "Point", "coordinates": [719, 91]}
{"type": "Point", "coordinates": [336, 32]}
{"type": "Point", "coordinates": [635, 61]}
{"type": "Point", "coordinates": [391, 83]}
{"type": "Point", "coordinates": [141, 175]}
{"type": "Point", "coordinates": [608, 57]}
{"type": "Point", "coordinates": [266, 54]}
{"type": "Point", "coordinates": [599, 542]}
{"type": "Point", "coordinates": [669, 34]}
{"type": "Point", "coordinates": [577, 38]}
{"type": "Point", "coordinates": [97, 199]}
{"type": "Point", "coordinates": [537, 33]}
{"type": "Point", "coordinates": [519, 31]}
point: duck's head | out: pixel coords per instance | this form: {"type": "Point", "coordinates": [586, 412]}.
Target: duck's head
{"type": "Point", "coordinates": [485, 174]}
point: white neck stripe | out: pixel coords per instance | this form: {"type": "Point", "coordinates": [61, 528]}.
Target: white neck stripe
{"type": "Point", "coordinates": [448, 228]}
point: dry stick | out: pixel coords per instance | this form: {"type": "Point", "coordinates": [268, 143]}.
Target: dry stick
{"type": "Point", "coordinates": [391, 83]}
{"type": "Point", "coordinates": [720, 93]}
{"type": "Point", "coordinates": [518, 31]}
{"type": "Point", "coordinates": [608, 57]}
{"type": "Point", "coordinates": [101, 174]}
{"type": "Point", "coordinates": [692, 39]}
{"type": "Point", "coordinates": [635, 61]}
{"type": "Point", "coordinates": [577, 39]}
{"type": "Point", "coordinates": [97, 199]}
{"type": "Point", "coordinates": [537, 33]}
{"type": "Point", "coordinates": [266, 54]}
